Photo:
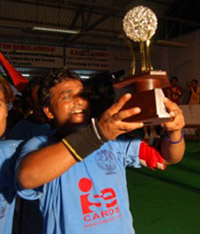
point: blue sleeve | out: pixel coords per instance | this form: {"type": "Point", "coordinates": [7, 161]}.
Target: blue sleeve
{"type": "Point", "coordinates": [128, 150]}
{"type": "Point", "coordinates": [33, 144]}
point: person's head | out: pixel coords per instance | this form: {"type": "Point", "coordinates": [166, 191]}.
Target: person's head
{"type": "Point", "coordinates": [6, 96]}
{"type": "Point", "coordinates": [174, 80]}
{"type": "Point", "coordinates": [194, 83]}
{"type": "Point", "coordinates": [30, 101]}
{"type": "Point", "coordinates": [62, 97]}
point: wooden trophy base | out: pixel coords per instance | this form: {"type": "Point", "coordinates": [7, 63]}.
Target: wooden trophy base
{"type": "Point", "coordinates": [151, 103]}
{"type": "Point", "coordinates": [148, 95]}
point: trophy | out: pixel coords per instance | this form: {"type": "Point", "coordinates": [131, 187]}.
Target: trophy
{"type": "Point", "coordinates": [139, 25]}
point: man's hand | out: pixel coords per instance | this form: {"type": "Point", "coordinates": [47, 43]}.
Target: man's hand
{"type": "Point", "coordinates": [173, 146]}
{"type": "Point", "coordinates": [177, 119]}
{"type": "Point", "coordinates": [111, 122]}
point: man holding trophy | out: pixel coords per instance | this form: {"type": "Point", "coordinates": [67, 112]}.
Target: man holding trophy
{"type": "Point", "coordinates": [79, 174]}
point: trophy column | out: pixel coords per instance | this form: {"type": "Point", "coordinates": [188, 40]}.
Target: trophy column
{"type": "Point", "coordinates": [140, 24]}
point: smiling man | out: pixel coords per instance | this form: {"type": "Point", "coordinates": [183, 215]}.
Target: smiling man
{"type": "Point", "coordinates": [79, 174]}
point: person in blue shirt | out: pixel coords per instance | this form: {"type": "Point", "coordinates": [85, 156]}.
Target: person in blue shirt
{"type": "Point", "coordinates": [8, 150]}
{"type": "Point", "coordinates": [33, 124]}
{"type": "Point", "coordinates": [78, 175]}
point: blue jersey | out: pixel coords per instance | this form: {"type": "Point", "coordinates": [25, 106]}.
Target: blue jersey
{"type": "Point", "coordinates": [7, 184]}
{"type": "Point", "coordinates": [30, 216]}
{"type": "Point", "coordinates": [90, 197]}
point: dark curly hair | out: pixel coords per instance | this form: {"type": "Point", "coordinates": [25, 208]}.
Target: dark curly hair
{"type": "Point", "coordinates": [53, 78]}
{"type": "Point", "coordinates": [7, 91]}
{"type": "Point", "coordinates": [196, 81]}
{"type": "Point", "coordinates": [27, 92]}
{"type": "Point", "coordinates": [174, 78]}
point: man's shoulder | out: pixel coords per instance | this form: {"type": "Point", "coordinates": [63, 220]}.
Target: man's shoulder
{"type": "Point", "coordinates": [35, 143]}
{"type": "Point", "coordinates": [10, 144]}
{"type": "Point", "coordinates": [9, 147]}
{"type": "Point", "coordinates": [43, 139]}
{"type": "Point", "coordinates": [39, 141]}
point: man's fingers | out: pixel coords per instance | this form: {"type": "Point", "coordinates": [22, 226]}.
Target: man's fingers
{"type": "Point", "coordinates": [117, 106]}
{"type": "Point", "coordinates": [177, 117]}
{"type": "Point", "coordinates": [175, 112]}
{"type": "Point", "coordinates": [127, 127]}
{"type": "Point", "coordinates": [172, 126]}
{"type": "Point", "coordinates": [124, 114]}
{"type": "Point", "coordinates": [170, 105]}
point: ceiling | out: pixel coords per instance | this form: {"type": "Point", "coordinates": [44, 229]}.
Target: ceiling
{"type": "Point", "coordinates": [99, 21]}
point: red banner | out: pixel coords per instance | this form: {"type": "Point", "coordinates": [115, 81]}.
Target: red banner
{"type": "Point", "coordinates": [17, 79]}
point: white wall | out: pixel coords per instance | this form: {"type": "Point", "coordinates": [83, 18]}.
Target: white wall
{"type": "Point", "coordinates": [181, 62]}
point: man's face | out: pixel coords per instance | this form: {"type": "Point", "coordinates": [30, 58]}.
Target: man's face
{"type": "Point", "coordinates": [3, 113]}
{"type": "Point", "coordinates": [68, 108]}
{"type": "Point", "coordinates": [173, 82]}
{"type": "Point", "coordinates": [33, 102]}
{"type": "Point", "coordinates": [193, 84]}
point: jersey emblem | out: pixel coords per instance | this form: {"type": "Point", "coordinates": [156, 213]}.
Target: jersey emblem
{"type": "Point", "coordinates": [106, 161]}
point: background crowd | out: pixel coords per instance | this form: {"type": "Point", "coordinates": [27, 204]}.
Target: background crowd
{"type": "Point", "coordinates": [190, 96]}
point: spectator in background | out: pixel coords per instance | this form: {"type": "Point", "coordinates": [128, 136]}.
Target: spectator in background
{"type": "Point", "coordinates": [34, 123]}
{"type": "Point", "coordinates": [194, 92]}
{"type": "Point", "coordinates": [174, 92]}
{"type": "Point", "coordinates": [8, 150]}
{"type": "Point", "coordinates": [15, 113]}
